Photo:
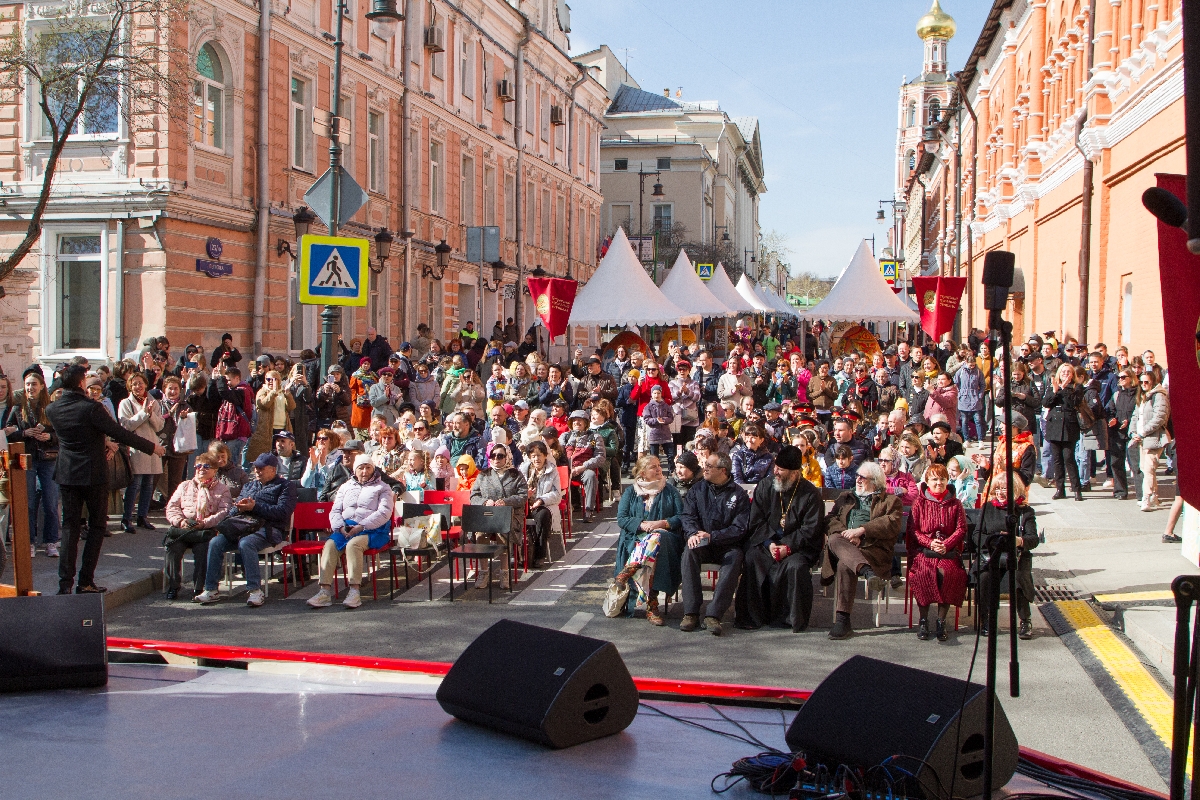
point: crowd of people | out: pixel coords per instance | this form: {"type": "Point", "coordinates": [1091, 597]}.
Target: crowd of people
{"type": "Point", "coordinates": [779, 416]}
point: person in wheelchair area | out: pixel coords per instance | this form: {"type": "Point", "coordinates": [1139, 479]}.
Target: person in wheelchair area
{"type": "Point", "coordinates": [991, 521]}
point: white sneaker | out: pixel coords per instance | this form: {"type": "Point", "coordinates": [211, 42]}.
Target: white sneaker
{"type": "Point", "coordinates": [33, 551]}
{"type": "Point", "coordinates": [207, 597]}
{"type": "Point", "coordinates": [321, 599]}
{"type": "Point", "coordinates": [482, 575]}
{"type": "Point", "coordinates": [52, 551]}
{"type": "Point", "coordinates": [256, 598]}
{"type": "Point", "coordinates": [353, 598]}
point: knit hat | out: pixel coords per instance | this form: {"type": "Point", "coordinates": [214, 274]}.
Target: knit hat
{"type": "Point", "coordinates": [789, 458]}
{"type": "Point", "coordinates": [361, 459]}
{"type": "Point", "coordinates": [442, 451]}
{"type": "Point", "coordinates": [689, 460]}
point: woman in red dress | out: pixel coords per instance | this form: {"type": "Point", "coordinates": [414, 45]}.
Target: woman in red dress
{"type": "Point", "coordinates": [939, 524]}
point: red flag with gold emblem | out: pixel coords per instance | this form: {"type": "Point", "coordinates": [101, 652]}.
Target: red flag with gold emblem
{"type": "Point", "coordinates": [553, 298]}
{"type": "Point", "coordinates": [938, 297]}
{"type": "Point", "coordinates": [1179, 269]}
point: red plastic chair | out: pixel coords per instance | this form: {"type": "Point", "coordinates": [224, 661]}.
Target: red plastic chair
{"type": "Point", "coordinates": [307, 517]}
{"type": "Point", "coordinates": [373, 555]}
{"type": "Point", "coordinates": [456, 501]}
{"type": "Point", "coordinates": [564, 505]}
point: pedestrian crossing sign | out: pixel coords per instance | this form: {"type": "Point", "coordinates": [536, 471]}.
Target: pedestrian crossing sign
{"type": "Point", "coordinates": [333, 270]}
{"type": "Point", "coordinates": [705, 271]}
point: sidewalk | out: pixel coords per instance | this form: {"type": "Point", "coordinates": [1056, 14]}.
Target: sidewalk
{"type": "Point", "coordinates": [1111, 551]}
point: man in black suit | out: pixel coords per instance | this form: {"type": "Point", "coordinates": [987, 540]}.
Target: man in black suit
{"type": "Point", "coordinates": [82, 475]}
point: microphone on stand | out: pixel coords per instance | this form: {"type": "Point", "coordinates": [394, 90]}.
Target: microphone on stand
{"type": "Point", "coordinates": [1169, 209]}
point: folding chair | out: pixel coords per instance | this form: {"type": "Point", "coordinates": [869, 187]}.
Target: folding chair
{"type": "Point", "coordinates": [483, 519]}
{"type": "Point", "coordinates": [564, 505]}
{"type": "Point", "coordinates": [457, 501]}
{"type": "Point", "coordinates": [268, 555]}
{"type": "Point", "coordinates": [408, 511]}
{"type": "Point", "coordinates": [308, 517]}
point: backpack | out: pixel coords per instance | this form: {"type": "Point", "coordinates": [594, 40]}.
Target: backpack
{"type": "Point", "coordinates": [1086, 418]}
{"type": "Point", "coordinates": [232, 422]}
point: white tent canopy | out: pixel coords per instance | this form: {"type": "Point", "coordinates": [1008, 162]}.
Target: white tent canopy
{"type": "Point", "coordinates": [862, 293]}
{"type": "Point", "coordinates": [746, 289]}
{"type": "Point", "coordinates": [722, 289]}
{"type": "Point", "coordinates": [621, 293]}
{"type": "Point", "coordinates": [776, 302]}
{"type": "Point", "coordinates": [684, 288]}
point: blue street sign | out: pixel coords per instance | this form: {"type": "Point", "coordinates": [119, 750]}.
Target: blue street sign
{"type": "Point", "coordinates": [705, 271]}
{"type": "Point", "coordinates": [333, 270]}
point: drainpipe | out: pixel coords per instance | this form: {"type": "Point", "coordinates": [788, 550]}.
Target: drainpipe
{"type": "Point", "coordinates": [571, 166]}
{"type": "Point", "coordinates": [966, 104]}
{"type": "Point", "coordinates": [406, 162]}
{"type": "Point", "coordinates": [120, 291]}
{"type": "Point", "coordinates": [1085, 206]}
{"type": "Point", "coordinates": [263, 189]}
{"type": "Point", "coordinates": [519, 141]}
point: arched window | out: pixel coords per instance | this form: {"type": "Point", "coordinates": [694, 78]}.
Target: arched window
{"type": "Point", "coordinates": [911, 160]}
{"type": "Point", "coordinates": [910, 118]}
{"type": "Point", "coordinates": [209, 98]}
{"type": "Point", "coordinates": [935, 110]}
{"type": "Point", "coordinates": [1127, 314]}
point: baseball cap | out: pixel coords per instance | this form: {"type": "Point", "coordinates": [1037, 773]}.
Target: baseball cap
{"type": "Point", "coordinates": [266, 460]}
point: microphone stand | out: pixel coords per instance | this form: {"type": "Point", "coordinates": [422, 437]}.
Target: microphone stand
{"type": "Point", "coordinates": [1009, 545]}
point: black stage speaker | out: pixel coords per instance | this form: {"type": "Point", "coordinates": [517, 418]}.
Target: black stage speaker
{"type": "Point", "coordinates": [868, 710]}
{"type": "Point", "coordinates": [555, 688]}
{"type": "Point", "coordinates": [54, 642]}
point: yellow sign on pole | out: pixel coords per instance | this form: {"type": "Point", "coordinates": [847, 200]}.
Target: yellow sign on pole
{"type": "Point", "coordinates": [333, 270]}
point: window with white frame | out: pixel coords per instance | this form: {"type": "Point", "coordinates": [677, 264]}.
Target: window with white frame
{"type": "Point", "coordinates": [489, 87]}
{"type": "Point", "coordinates": [510, 208]}
{"type": "Point", "coordinates": [530, 102]}
{"type": "Point", "coordinates": [489, 195]}
{"type": "Point", "coordinates": [76, 295]}
{"type": "Point", "coordinates": [466, 66]}
{"type": "Point", "coordinates": [435, 177]}
{"type": "Point", "coordinates": [466, 197]}
{"type": "Point", "coordinates": [545, 113]}
{"type": "Point", "coordinates": [589, 254]}
{"type": "Point", "coordinates": [530, 213]}
{"type": "Point", "coordinates": [208, 96]}
{"type": "Point", "coordinates": [545, 238]}
{"type": "Point", "coordinates": [560, 224]}
{"type": "Point", "coordinates": [662, 217]}
{"type": "Point", "coordinates": [413, 173]}
{"type": "Point", "coordinates": [101, 109]}
{"type": "Point", "coordinates": [301, 124]}
{"type": "Point", "coordinates": [376, 153]}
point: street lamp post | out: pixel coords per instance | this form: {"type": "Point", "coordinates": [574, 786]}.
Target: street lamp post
{"type": "Point", "coordinates": [385, 16]}
{"type": "Point", "coordinates": [658, 192]}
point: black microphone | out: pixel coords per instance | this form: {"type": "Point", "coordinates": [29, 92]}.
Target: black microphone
{"type": "Point", "coordinates": [999, 272]}
{"type": "Point", "coordinates": [1167, 207]}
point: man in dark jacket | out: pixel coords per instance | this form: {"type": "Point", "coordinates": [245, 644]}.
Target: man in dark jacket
{"type": "Point", "coordinates": [376, 348]}
{"type": "Point", "coordinates": [843, 433]}
{"type": "Point", "coordinates": [597, 380]}
{"type": "Point", "coordinates": [81, 471]}
{"type": "Point", "coordinates": [715, 514]}
{"type": "Point", "coordinates": [462, 440]}
{"type": "Point", "coordinates": [708, 375]}
{"type": "Point", "coordinates": [786, 534]}
{"type": "Point", "coordinates": [264, 511]}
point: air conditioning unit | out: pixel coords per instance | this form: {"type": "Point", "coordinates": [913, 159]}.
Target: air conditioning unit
{"type": "Point", "coordinates": [505, 91]}
{"type": "Point", "coordinates": [557, 117]}
{"type": "Point", "coordinates": [435, 39]}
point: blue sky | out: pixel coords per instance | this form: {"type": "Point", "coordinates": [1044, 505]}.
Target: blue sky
{"type": "Point", "coordinates": [822, 77]}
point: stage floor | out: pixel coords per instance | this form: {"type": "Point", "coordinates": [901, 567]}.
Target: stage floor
{"type": "Point", "coordinates": [287, 729]}
{"type": "Point", "coordinates": [182, 732]}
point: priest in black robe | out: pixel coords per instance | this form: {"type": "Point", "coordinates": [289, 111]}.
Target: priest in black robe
{"type": "Point", "coordinates": [786, 534]}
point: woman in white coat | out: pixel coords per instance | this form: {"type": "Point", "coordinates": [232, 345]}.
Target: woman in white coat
{"type": "Point", "coordinates": [1149, 429]}
{"type": "Point", "coordinates": [139, 413]}
{"type": "Point", "coordinates": [361, 520]}
{"type": "Point", "coordinates": [545, 493]}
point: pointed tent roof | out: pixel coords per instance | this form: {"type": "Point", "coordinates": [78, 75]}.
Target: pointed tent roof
{"type": "Point", "coordinates": [776, 301]}
{"type": "Point", "coordinates": [861, 293]}
{"type": "Point", "coordinates": [746, 288]}
{"type": "Point", "coordinates": [722, 289]}
{"type": "Point", "coordinates": [684, 288]}
{"type": "Point", "coordinates": [621, 293]}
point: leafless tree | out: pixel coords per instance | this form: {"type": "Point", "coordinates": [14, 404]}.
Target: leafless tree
{"type": "Point", "coordinates": [84, 65]}
{"type": "Point", "coordinates": [675, 238]}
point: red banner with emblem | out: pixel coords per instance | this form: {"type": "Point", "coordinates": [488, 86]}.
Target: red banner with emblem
{"type": "Point", "coordinates": [938, 298]}
{"type": "Point", "coordinates": [1179, 269]}
{"type": "Point", "coordinates": [553, 299]}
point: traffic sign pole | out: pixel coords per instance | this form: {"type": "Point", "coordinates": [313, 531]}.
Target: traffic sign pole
{"type": "Point", "coordinates": [330, 313]}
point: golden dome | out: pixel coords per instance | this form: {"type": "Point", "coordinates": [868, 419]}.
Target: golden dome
{"type": "Point", "coordinates": [936, 24]}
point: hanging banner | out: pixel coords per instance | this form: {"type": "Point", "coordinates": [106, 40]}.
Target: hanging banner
{"type": "Point", "coordinates": [939, 298]}
{"type": "Point", "coordinates": [1179, 269]}
{"type": "Point", "coordinates": [553, 298]}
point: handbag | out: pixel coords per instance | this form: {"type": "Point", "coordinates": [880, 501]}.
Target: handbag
{"type": "Point", "coordinates": [677, 420]}
{"type": "Point", "coordinates": [418, 533]}
{"type": "Point", "coordinates": [185, 434]}
{"type": "Point", "coordinates": [615, 598]}
{"type": "Point", "coordinates": [119, 470]}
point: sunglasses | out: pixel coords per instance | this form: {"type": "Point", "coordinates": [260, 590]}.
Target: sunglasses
{"type": "Point", "coordinates": [499, 455]}
{"type": "Point", "coordinates": [1144, 383]}
{"type": "Point", "coordinates": [204, 466]}
{"type": "Point", "coordinates": [420, 428]}
{"type": "Point", "coordinates": [322, 438]}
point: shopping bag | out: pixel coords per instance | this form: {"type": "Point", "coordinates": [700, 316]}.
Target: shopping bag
{"type": "Point", "coordinates": [185, 434]}
{"type": "Point", "coordinates": [615, 598]}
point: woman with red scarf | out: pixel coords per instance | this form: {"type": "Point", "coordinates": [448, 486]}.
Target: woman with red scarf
{"type": "Point", "coordinates": [939, 524]}
{"type": "Point", "coordinates": [993, 521]}
{"type": "Point", "coordinates": [864, 389]}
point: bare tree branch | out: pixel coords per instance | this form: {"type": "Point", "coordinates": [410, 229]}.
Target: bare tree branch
{"type": "Point", "coordinates": [91, 69]}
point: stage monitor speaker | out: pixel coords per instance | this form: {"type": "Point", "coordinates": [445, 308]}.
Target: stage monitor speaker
{"type": "Point", "coordinates": [551, 687]}
{"type": "Point", "coordinates": [999, 273]}
{"type": "Point", "coordinates": [868, 710]}
{"type": "Point", "coordinates": [53, 642]}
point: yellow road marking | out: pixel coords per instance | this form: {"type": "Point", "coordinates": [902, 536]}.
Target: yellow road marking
{"type": "Point", "coordinates": [1149, 698]}
{"type": "Point", "coordinates": [1135, 597]}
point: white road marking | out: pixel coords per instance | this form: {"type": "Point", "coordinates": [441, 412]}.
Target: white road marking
{"type": "Point", "coordinates": [577, 621]}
